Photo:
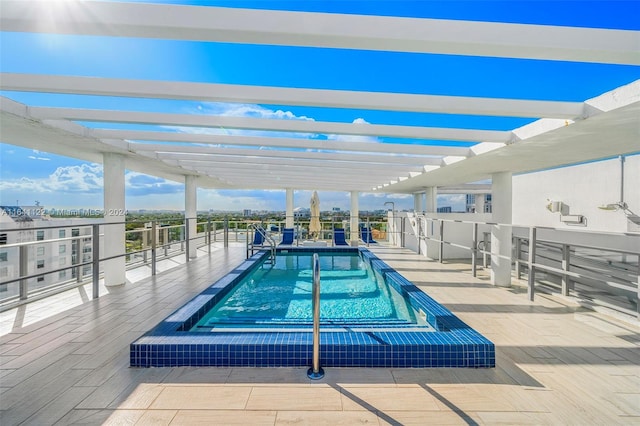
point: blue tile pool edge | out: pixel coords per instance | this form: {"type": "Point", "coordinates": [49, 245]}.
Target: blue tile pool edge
{"type": "Point", "coordinates": [453, 344]}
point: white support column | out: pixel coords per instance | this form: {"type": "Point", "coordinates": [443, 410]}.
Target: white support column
{"type": "Point", "coordinates": [355, 222]}
{"type": "Point", "coordinates": [500, 234]}
{"type": "Point", "coordinates": [114, 212]}
{"type": "Point", "coordinates": [480, 202]}
{"type": "Point", "coordinates": [419, 202]}
{"type": "Point", "coordinates": [289, 219]}
{"type": "Point", "coordinates": [191, 211]}
{"type": "Point", "coordinates": [431, 194]}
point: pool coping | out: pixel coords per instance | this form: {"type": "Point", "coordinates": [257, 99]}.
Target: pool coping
{"type": "Point", "coordinates": [453, 344]}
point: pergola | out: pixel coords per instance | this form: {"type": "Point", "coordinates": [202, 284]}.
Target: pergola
{"type": "Point", "coordinates": [565, 132]}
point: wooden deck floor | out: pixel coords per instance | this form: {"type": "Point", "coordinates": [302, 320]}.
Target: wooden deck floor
{"type": "Point", "coordinates": [556, 364]}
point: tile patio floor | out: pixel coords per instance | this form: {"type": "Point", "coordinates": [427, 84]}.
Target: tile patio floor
{"type": "Point", "coordinates": [556, 363]}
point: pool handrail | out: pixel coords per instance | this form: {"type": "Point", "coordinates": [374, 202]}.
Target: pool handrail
{"type": "Point", "coordinates": [316, 372]}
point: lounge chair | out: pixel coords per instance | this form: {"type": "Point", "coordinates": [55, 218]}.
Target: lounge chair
{"type": "Point", "coordinates": [365, 235]}
{"type": "Point", "coordinates": [258, 237]}
{"type": "Point", "coordinates": [287, 237]}
{"type": "Point", "coordinates": [338, 237]}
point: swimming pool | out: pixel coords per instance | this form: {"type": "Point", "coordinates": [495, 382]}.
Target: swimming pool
{"type": "Point", "coordinates": [425, 335]}
{"type": "Point", "coordinates": [279, 296]}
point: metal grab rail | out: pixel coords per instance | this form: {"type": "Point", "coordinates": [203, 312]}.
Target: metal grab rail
{"type": "Point", "coordinates": [316, 372]}
{"type": "Point", "coordinates": [268, 238]}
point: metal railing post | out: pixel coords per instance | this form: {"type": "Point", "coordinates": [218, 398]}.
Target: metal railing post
{"type": "Point", "coordinates": [186, 238]}
{"type": "Point", "coordinates": [566, 258]}
{"type": "Point", "coordinates": [209, 233]}
{"type": "Point", "coordinates": [474, 249]}
{"type": "Point", "coordinates": [368, 233]}
{"type": "Point", "coordinates": [419, 233]}
{"type": "Point", "coordinates": [78, 260]}
{"type": "Point", "coordinates": [95, 253]}
{"type": "Point", "coordinates": [532, 259]}
{"type": "Point", "coordinates": [316, 372]}
{"type": "Point", "coordinates": [518, 255]}
{"type": "Point", "coordinates": [485, 260]}
{"type": "Point", "coordinates": [165, 241]}
{"type": "Point", "coordinates": [145, 244]}
{"type": "Point", "coordinates": [24, 271]}
{"type": "Point", "coordinates": [154, 237]}
{"type": "Point", "coordinates": [226, 232]}
{"type": "Point", "coordinates": [441, 250]}
{"type": "Point", "coordinates": [333, 232]}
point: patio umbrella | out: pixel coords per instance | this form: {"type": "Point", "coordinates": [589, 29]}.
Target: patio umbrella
{"type": "Point", "coordinates": [314, 226]}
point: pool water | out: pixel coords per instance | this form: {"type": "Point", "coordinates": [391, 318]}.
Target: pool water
{"type": "Point", "coordinates": [267, 322]}
{"type": "Point", "coordinates": [279, 295]}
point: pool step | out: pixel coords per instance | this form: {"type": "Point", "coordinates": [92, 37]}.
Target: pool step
{"type": "Point", "coordinates": [304, 322]}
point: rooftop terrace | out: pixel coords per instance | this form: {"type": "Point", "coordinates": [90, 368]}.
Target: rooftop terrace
{"type": "Point", "coordinates": [556, 363]}
{"type": "Point", "coordinates": [352, 100]}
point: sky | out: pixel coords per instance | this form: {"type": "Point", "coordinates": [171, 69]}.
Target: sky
{"type": "Point", "coordinates": [28, 175]}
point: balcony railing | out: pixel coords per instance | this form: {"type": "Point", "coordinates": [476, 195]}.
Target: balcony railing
{"type": "Point", "coordinates": [33, 266]}
{"type": "Point", "coordinates": [597, 269]}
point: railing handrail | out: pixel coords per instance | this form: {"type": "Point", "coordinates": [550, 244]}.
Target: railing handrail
{"type": "Point", "coordinates": [316, 372]}
{"type": "Point", "coordinates": [257, 227]}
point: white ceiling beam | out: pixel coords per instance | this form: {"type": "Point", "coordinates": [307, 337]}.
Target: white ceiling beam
{"type": "Point", "coordinates": [153, 89]}
{"type": "Point", "coordinates": [322, 30]}
{"type": "Point", "coordinates": [371, 147]}
{"type": "Point", "coordinates": [301, 164]}
{"type": "Point", "coordinates": [258, 154]}
{"type": "Point", "coordinates": [273, 176]}
{"type": "Point", "coordinates": [266, 124]}
{"type": "Point", "coordinates": [253, 170]}
{"type": "Point", "coordinates": [294, 182]}
{"type": "Point", "coordinates": [248, 175]}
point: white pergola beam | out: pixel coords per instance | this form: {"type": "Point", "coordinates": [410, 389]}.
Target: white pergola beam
{"type": "Point", "coordinates": [309, 165]}
{"type": "Point", "coordinates": [244, 174]}
{"type": "Point", "coordinates": [232, 154]}
{"type": "Point", "coordinates": [372, 147]}
{"type": "Point", "coordinates": [265, 124]}
{"type": "Point", "coordinates": [322, 30]}
{"type": "Point", "coordinates": [314, 172]}
{"type": "Point", "coordinates": [152, 89]}
{"type": "Point", "coordinates": [277, 182]}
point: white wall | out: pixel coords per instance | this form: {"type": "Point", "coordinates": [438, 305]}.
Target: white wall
{"type": "Point", "coordinates": [458, 233]}
{"type": "Point", "coordinates": [583, 188]}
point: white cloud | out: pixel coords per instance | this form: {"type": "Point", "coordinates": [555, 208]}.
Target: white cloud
{"type": "Point", "coordinates": [354, 138]}
{"type": "Point", "coordinates": [139, 184]}
{"type": "Point", "coordinates": [69, 179]}
{"type": "Point", "coordinates": [248, 110]}
{"type": "Point", "coordinates": [244, 110]}
{"type": "Point", "coordinates": [37, 155]}
{"type": "Point", "coordinates": [88, 178]}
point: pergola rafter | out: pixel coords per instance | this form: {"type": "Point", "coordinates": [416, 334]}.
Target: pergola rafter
{"type": "Point", "coordinates": [356, 155]}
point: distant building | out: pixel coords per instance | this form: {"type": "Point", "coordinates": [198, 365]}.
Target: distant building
{"type": "Point", "coordinates": [335, 209]}
{"type": "Point", "coordinates": [478, 203]}
{"type": "Point", "coordinates": [301, 212]}
{"type": "Point", "coordinates": [246, 212]}
{"type": "Point", "coordinates": [446, 209]}
{"type": "Point", "coordinates": [57, 249]}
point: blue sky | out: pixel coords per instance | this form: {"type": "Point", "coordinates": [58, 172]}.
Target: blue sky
{"type": "Point", "coordinates": [57, 181]}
